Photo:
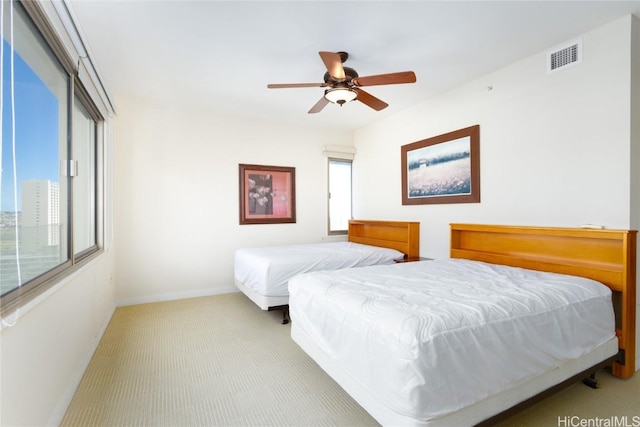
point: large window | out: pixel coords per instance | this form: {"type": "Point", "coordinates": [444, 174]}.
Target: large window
{"type": "Point", "coordinates": [49, 149]}
{"type": "Point", "coordinates": [339, 195]}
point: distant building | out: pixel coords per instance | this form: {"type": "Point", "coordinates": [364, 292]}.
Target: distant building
{"type": "Point", "coordinates": [10, 219]}
{"type": "Point", "coordinates": [40, 214]}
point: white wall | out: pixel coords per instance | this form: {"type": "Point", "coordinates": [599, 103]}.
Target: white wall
{"type": "Point", "coordinates": [559, 149]}
{"type": "Point", "coordinates": [44, 354]}
{"type": "Point", "coordinates": [554, 148]}
{"type": "Point", "coordinates": [176, 190]}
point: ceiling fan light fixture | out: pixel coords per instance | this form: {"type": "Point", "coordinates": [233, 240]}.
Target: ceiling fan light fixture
{"type": "Point", "coordinates": [340, 95]}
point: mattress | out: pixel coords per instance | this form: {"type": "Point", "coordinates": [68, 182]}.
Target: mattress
{"type": "Point", "coordinates": [266, 270]}
{"type": "Point", "coordinates": [429, 339]}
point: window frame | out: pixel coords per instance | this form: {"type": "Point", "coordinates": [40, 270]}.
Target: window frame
{"type": "Point", "coordinates": [82, 96]}
{"type": "Point", "coordinates": [36, 13]}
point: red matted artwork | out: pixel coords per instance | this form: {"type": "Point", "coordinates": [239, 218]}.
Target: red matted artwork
{"type": "Point", "coordinates": [267, 194]}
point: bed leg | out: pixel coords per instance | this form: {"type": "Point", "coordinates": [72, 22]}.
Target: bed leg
{"type": "Point", "coordinates": [591, 381]}
{"type": "Point", "coordinates": [285, 315]}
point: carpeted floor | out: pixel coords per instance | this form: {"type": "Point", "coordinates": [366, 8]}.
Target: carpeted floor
{"type": "Point", "coordinates": [221, 361]}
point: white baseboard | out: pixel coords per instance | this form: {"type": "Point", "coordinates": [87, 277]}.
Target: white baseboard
{"type": "Point", "coordinates": [175, 296]}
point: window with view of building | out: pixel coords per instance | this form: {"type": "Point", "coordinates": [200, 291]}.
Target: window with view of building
{"type": "Point", "coordinates": [339, 195]}
{"type": "Point", "coordinates": [42, 167]}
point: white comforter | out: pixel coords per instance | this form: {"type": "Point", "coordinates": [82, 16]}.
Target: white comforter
{"type": "Point", "coordinates": [428, 338]}
{"type": "Point", "coordinates": [267, 270]}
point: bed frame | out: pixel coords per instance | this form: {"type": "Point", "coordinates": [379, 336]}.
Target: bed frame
{"type": "Point", "coordinates": [608, 256]}
{"type": "Point", "coordinates": [402, 236]}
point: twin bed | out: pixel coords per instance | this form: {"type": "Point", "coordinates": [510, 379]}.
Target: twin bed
{"type": "Point", "coordinates": [262, 273]}
{"type": "Point", "coordinates": [513, 312]}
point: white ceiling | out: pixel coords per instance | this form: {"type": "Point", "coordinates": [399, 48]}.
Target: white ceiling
{"type": "Point", "coordinates": [220, 55]}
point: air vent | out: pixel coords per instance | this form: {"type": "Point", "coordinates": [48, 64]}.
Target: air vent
{"type": "Point", "coordinates": [566, 56]}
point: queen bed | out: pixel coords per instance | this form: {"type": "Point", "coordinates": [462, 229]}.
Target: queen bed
{"type": "Point", "coordinates": [262, 273]}
{"type": "Point", "coordinates": [515, 311]}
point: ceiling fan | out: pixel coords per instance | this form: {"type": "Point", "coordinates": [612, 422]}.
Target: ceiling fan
{"type": "Point", "coordinates": [343, 83]}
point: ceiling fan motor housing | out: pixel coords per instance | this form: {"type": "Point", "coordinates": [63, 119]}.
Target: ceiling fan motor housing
{"type": "Point", "coordinates": [349, 74]}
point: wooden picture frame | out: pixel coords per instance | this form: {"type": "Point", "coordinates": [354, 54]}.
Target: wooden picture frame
{"type": "Point", "coordinates": [442, 169]}
{"type": "Point", "coordinates": [267, 194]}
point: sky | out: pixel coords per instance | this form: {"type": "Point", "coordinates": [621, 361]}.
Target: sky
{"type": "Point", "coordinates": [36, 129]}
{"type": "Point", "coordinates": [432, 151]}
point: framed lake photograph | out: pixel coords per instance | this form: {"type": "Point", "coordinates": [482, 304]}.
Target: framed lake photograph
{"type": "Point", "coordinates": [442, 169]}
{"type": "Point", "coordinates": [267, 194]}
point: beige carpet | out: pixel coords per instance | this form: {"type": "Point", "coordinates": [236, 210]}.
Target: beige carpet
{"type": "Point", "coordinates": [221, 361]}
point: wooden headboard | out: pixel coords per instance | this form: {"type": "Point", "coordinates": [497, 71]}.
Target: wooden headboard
{"type": "Point", "coordinates": [608, 256]}
{"type": "Point", "coordinates": [402, 236]}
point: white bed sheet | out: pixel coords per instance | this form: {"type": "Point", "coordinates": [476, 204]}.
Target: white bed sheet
{"type": "Point", "coordinates": [431, 338]}
{"type": "Point", "coordinates": [266, 270]}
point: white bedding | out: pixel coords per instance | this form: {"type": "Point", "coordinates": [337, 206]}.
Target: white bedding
{"type": "Point", "coordinates": [427, 339]}
{"type": "Point", "coordinates": [266, 270]}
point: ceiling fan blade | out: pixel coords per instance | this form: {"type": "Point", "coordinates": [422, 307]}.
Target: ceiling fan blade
{"type": "Point", "coordinates": [333, 62]}
{"type": "Point", "coordinates": [370, 100]}
{"type": "Point", "coordinates": [319, 105]}
{"type": "Point", "coordinates": [288, 85]}
{"type": "Point", "coordinates": [386, 79]}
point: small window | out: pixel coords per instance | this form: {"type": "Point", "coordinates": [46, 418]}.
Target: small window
{"type": "Point", "coordinates": [339, 195]}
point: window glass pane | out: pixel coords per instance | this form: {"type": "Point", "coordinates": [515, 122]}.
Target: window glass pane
{"type": "Point", "coordinates": [33, 192]}
{"type": "Point", "coordinates": [339, 195]}
{"type": "Point", "coordinates": [84, 194]}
